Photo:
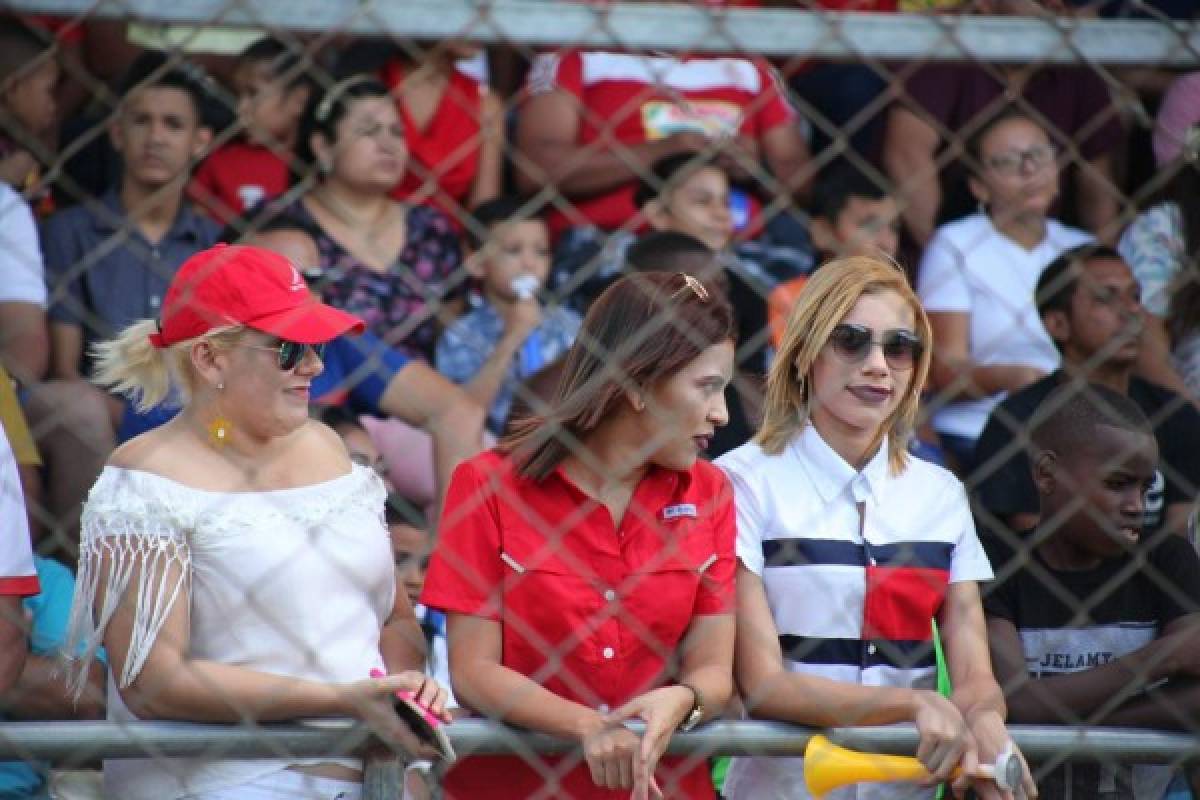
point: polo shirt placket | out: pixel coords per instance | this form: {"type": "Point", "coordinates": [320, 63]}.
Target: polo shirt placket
{"type": "Point", "coordinates": [852, 597]}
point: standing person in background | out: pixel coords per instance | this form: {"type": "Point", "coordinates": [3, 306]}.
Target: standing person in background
{"type": "Point", "coordinates": [508, 336]}
{"type": "Point", "coordinates": [240, 495]}
{"type": "Point", "coordinates": [272, 87]}
{"type": "Point", "coordinates": [977, 277]}
{"type": "Point", "coordinates": [849, 548]}
{"type": "Point", "coordinates": [1162, 242]}
{"type": "Point", "coordinates": [586, 565]}
{"type": "Point", "coordinates": [109, 263]}
{"type": "Point", "coordinates": [394, 265]}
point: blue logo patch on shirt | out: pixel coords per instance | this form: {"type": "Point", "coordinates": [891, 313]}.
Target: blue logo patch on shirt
{"type": "Point", "coordinates": [679, 510]}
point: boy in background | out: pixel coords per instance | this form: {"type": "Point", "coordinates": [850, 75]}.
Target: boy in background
{"type": "Point", "coordinates": [412, 545]}
{"type": "Point", "coordinates": [853, 215]}
{"type": "Point", "coordinates": [272, 87]}
{"type": "Point", "coordinates": [509, 336]}
{"type": "Point", "coordinates": [1089, 622]}
{"type": "Point", "coordinates": [108, 263]}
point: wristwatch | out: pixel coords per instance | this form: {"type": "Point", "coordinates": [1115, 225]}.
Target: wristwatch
{"type": "Point", "coordinates": [697, 713]}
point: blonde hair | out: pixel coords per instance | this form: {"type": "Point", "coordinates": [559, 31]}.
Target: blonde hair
{"type": "Point", "coordinates": [825, 300]}
{"type": "Point", "coordinates": [132, 366]}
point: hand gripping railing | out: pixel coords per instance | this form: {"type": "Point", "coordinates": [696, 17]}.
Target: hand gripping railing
{"type": "Point", "coordinates": [73, 743]}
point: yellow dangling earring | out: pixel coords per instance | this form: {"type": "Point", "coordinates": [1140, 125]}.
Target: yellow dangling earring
{"type": "Point", "coordinates": [219, 428]}
{"type": "Point", "coordinates": [218, 431]}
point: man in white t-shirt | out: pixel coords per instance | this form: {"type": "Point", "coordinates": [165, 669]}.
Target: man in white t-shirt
{"type": "Point", "coordinates": [24, 341]}
{"type": "Point", "coordinates": [18, 578]}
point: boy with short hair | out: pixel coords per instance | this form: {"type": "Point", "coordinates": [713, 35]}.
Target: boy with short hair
{"type": "Point", "coordinates": [509, 336]}
{"type": "Point", "coordinates": [1090, 303]}
{"type": "Point", "coordinates": [28, 77]}
{"type": "Point", "coordinates": [108, 263]}
{"type": "Point", "coordinates": [1096, 625]}
{"type": "Point", "coordinates": [272, 87]}
{"type": "Point", "coordinates": [853, 215]}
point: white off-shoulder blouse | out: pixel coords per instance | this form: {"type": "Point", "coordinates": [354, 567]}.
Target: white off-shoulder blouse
{"type": "Point", "coordinates": [295, 582]}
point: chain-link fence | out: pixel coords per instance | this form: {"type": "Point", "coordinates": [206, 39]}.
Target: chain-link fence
{"type": "Point", "coordinates": [482, 184]}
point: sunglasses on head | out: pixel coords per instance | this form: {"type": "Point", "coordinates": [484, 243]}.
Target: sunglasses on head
{"type": "Point", "coordinates": [901, 349]}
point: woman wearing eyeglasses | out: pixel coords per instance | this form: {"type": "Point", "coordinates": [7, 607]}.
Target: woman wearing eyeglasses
{"type": "Point", "coordinates": [586, 565]}
{"type": "Point", "coordinates": [978, 274]}
{"type": "Point", "coordinates": [233, 562]}
{"type": "Point", "coordinates": [849, 548]}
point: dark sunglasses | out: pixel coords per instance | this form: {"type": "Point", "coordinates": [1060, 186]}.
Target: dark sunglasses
{"type": "Point", "coordinates": [852, 343]}
{"type": "Point", "coordinates": [290, 354]}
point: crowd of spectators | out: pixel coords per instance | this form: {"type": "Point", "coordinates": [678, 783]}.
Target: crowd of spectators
{"type": "Point", "coordinates": [469, 205]}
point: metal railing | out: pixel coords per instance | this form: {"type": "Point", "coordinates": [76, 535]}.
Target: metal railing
{"type": "Point", "coordinates": [687, 27]}
{"type": "Point", "coordinates": [81, 742]}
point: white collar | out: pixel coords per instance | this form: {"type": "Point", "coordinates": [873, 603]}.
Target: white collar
{"type": "Point", "coordinates": [831, 474]}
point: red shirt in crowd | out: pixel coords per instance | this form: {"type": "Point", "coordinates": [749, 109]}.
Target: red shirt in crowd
{"type": "Point", "coordinates": [236, 178]}
{"type": "Point", "coordinates": [629, 98]}
{"type": "Point", "coordinates": [591, 612]}
{"type": "Point", "coordinates": [443, 157]}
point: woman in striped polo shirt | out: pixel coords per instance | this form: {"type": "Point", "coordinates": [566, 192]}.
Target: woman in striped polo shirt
{"type": "Point", "coordinates": [849, 548]}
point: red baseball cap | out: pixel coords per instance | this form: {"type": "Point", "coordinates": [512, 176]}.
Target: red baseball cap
{"type": "Point", "coordinates": [240, 285]}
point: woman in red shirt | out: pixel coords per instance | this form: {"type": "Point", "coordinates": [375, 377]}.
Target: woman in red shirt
{"type": "Point", "coordinates": [586, 565]}
{"type": "Point", "coordinates": [454, 126]}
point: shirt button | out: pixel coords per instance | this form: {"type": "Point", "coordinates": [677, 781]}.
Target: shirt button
{"type": "Point", "coordinates": [608, 652]}
{"type": "Point", "coordinates": [871, 649]}
{"type": "Point", "coordinates": [610, 595]}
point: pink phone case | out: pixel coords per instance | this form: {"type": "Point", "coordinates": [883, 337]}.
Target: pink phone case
{"type": "Point", "coordinates": [428, 727]}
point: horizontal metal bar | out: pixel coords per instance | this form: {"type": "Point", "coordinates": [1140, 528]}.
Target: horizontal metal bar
{"type": "Point", "coordinates": [61, 742]}
{"type": "Point", "coordinates": [687, 27]}
{"type": "Point", "coordinates": [65, 741]}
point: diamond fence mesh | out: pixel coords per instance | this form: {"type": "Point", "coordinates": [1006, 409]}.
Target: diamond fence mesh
{"type": "Point", "coordinates": [472, 180]}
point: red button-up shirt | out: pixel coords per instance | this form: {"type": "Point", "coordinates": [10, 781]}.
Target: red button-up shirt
{"type": "Point", "coordinates": [591, 611]}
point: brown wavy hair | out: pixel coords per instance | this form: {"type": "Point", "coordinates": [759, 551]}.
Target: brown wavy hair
{"type": "Point", "coordinates": [641, 330]}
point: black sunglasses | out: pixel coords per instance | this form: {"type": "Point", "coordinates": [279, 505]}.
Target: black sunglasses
{"type": "Point", "coordinates": [852, 343]}
{"type": "Point", "coordinates": [290, 354]}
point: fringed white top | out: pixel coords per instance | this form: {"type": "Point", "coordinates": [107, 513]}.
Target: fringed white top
{"type": "Point", "coordinates": [294, 582]}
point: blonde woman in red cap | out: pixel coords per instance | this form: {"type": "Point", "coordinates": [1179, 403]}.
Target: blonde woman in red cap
{"type": "Point", "coordinates": [234, 562]}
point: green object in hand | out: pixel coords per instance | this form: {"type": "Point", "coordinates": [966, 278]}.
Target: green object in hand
{"type": "Point", "coordinates": [943, 681]}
